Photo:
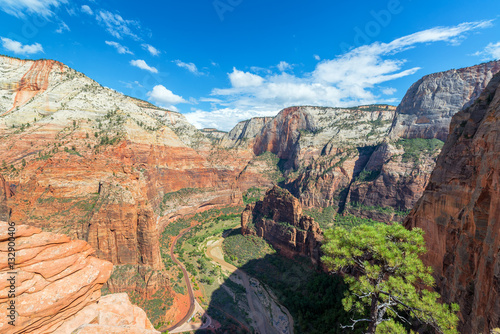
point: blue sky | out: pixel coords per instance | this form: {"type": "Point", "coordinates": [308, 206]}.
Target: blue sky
{"type": "Point", "coordinates": [222, 61]}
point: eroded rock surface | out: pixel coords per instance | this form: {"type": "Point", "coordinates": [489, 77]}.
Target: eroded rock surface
{"type": "Point", "coordinates": [460, 213]}
{"type": "Point", "coordinates": [278, 218]}
{"type": "Point", "coordinates": [429, 104]}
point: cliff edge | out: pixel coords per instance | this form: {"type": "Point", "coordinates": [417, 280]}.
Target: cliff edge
{"type": "Point", "coordinates": [460, 213]}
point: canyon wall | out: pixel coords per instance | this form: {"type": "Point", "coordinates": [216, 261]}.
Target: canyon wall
{"type": "Point", "coordinates": [278, 219]}
{"type": "Point", "coordinates": [105, 168]}
{"type": "Point", "coordinates": [370, 161]}
{"type": "Point", "coordinates": [460, 210]}
{"type": "Point", "coordinates": [427, 107]}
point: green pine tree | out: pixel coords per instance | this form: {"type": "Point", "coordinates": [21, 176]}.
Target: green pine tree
{"type": "Point", "coordinates": [386, 278]}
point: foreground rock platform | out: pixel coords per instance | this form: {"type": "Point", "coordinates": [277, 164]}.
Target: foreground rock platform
{"type": "Point", "coordinates": [56, 283]}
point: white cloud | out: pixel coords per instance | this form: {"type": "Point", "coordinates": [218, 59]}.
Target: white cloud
{"type": "Point", "coordinates": [151, 49]}
{"type": "Point", "coordinates": [116, 25]}
{"type": "Point", "coordinates": [318, 58]}
{"type": "Point", "coordinates": [490, 52]}
{"type": "Point", "coordinates": [224, 119]}
{"type": "Point", "coordinates": [120, 48]}
{"type": "Point", "coordinates": [283, 66]}
{"type": "Point", "coordinates": [164, 96]}
{"type": "Point", "coordinates": [19, 48]}
{"type": "Point", "coordinates": [142, 65]}
{"type": "Point", "coordinates": [62, 28]}
{"type": "Point", "coordinates": [349, 79]}
{"type": "Point", "coordinates": [240, 79]}
{"type": "Point", "coordinates": [87, 10]}
{"type": "Point", "coordinates": [188, 66]}
{"type": "Point", "coordinates": [18, 8]}
{"type": "Point", "coordinates": [389, 91]}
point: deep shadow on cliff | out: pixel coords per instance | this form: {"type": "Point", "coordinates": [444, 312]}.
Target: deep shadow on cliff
{"type": "Point", "coordinates": [313, 297]}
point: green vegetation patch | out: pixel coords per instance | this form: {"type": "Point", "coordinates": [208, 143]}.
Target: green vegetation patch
{"type": "Point", "coordinates": [273, 172]}
{"type": "Point", "coordinates": [416, 147]}
{"type": "Point", "coordinates": [349, 221]}
{"type": "Point", "coordinates": [253, 195]}
{"type": "Point", "coordinates": [323, 216]}
{"type": "Point", "coordinates": [312, 297]}
{"type": "Point", "coordinates": [387, 209]}
{"type": "Point", "coordinates": [239, 249]}
{"type": "Point", "coordinates": [368, 175]}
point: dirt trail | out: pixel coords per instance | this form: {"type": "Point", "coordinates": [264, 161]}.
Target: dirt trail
{"type": "Point", "coordinates": [258, 311]}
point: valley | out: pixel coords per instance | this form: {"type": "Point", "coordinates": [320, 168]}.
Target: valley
{"type": "Point", "coordinates": [213, 231]}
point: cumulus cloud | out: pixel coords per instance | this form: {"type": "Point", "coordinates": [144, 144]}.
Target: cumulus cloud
{"type": "Point", "coordinates": [346, 80]}
{"type": "Point", "coordinates": [224, 119]}
{"type": "Point", "coordinates": [19, 48]}
{"type": "Point", "coordinates": [283, 66]}
{"type": "Point", "coordinates": [120, 48]}
{"type": "Point", "coordinates": [164, 97]}
{"type": "Point", "coordinates": [116, 25]}
{"type": "Point", "coordinates": [151, 49]}
{"type": "Point", "coordinates": [188, 66]}
{"type": "Point", "coordinates": [87, 10]}
{"type": "Point", "coordinates": [143, 65]}
{"type": "Point", "coordinates": [18, 8]}
{"type": "Point", "coordinates": [318, 58]}
{"type": "Point", "coordinates": [490, 52]}
{"type": "Point", "coordinates": [240, 79]}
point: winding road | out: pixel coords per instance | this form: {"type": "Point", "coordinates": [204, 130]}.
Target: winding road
{"type": "Point", "coordinates": [257, 310]}
{"type": "Point", "coordinates": [193, 303]}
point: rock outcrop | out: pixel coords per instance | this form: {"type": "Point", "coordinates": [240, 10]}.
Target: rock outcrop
{"type": "Point", "coordinates": [99, 166]}
{"type": "Point", "coordinates": [460, 210]}
{"type": "Point", "coordinates": [56, 283]}
{"type": "Point", "coordinates": [244, 132]}
{"type": "Point", "coordinates": [278, 219]}
{"type": "Point", "coordinates": [371, 161]}
{"type": "Point", "coordinates": [429, 104]}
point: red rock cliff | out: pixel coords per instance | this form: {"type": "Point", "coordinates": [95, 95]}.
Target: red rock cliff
{"type": "Point", "coordinates": [460, 213]}
{"type": "Point", "coordinates": [278, 219]}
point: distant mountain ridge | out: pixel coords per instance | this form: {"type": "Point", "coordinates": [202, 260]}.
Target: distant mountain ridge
{"type": "Point", "coordinates": [87, 161]}
{"type": "Point", "coordinates": [372, 161]}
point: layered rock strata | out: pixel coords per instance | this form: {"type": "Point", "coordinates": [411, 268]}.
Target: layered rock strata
{"type": "Point", "coordinates": [53, 285]}
{"type": "Point", "coordinates": [99, 166]}
{"type": "Point", "coordinates": [371, 161]}
{"type": "Point", "coordinates": [460, 214]}
{"type": "Point", "coordinates": [278, 219]}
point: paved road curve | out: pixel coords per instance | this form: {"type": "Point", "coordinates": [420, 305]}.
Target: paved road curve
{"type": "Point", "coordinates": [186, 279]}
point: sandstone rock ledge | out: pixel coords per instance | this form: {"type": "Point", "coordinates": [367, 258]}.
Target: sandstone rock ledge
{"type": "Point", "coordinates": [57, 287]}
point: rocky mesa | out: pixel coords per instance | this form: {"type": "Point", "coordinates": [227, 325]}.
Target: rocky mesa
{"type": "Point", "coordinates": [460, 211]}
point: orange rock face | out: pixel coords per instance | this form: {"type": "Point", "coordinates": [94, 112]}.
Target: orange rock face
{"type": "Point", "coordinates": [460, 213]}
{"type": "Point", "coordinates": [105, 168]}
{"type": "Point", "coordinates": [55, 277]}
{"type": "Point", "coordinates": [278, 219]}
{"type": "Point", "coordinates": [111, 314]}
